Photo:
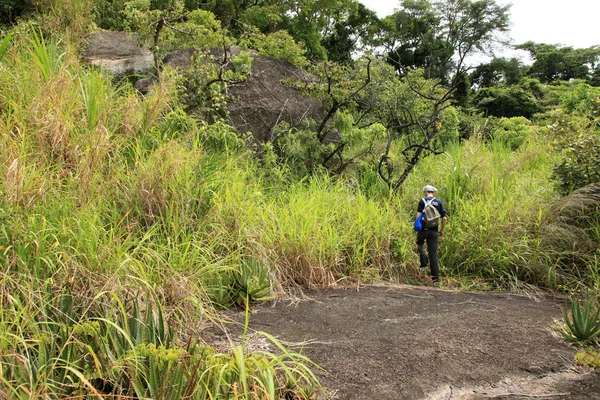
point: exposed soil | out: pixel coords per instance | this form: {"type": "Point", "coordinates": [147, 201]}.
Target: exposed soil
{"type": "Point", "coordinates": [404, 342]}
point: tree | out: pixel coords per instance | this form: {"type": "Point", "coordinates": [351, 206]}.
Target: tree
{"type": "Point", "coordinates": [555, 62]}
{"type": "Point", "coordinates": [498, 71]}
{"type": "Point", "coordinates": [312, 21]}
{"type": "Point", "coordinates": [166, 25]}
{"type": "Point", "coordinates": [438, 36]}
{"type": "Point", "coordinates": [412, 41]}
{"type": "Point", "coordinates": [456, 29]}
{"type": "Point", "coordinates": [414, 110]}
{"type": "Point", "coordinates": [352, 31]}
{"type": "Point", "coordinates": [10, 10]}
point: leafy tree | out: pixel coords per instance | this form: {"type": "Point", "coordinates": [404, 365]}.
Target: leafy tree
{"type": "Point", "coordinates": [454, 29]}
{"type": "Point", "coordinates": [576, 129]}
{"type": "Point", "coordinates": [166, 25]}
{"type": "Point", "coordinates": [438, 36]}
{"type": "Point", "coordinates": [506, 101]}
{"type": "Point", "coordinates": [414, 110]}
{"type": "Point", "coordinates": [581, 100]}
{"type": "Point", "coordinates": [309, 21]}
{"type": "Point", "coordinates": [512, 132]}
{"type": "Point", "coordinates": [413, 39]}
{"type": "Point", "coordinates": [328, 29]}
{"type": "Point", "coordinates": [109, 14]}
{"type": "Point", "coordinates": [354, 30]}
{"type": "Point", "coordinates": [552, 61]}
{"type": "Point", "coordinates": [498, 71]}
{"type": "Point", "coordinates": [278, 44]}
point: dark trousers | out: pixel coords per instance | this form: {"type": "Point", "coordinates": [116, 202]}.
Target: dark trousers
{"type": "Point", "coordinates": [431, 237]}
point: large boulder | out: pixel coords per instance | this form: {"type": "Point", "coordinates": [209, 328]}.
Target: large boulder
{"type": "Point", "coordinates": [118, 53]}
{"type": "Point", "coordinates": [265, 99]}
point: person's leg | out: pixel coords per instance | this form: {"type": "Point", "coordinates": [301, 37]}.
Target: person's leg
{"type": "Point", "coordinates": [421, 245]}
{"type": "Point", "coordinates": [432, 244]}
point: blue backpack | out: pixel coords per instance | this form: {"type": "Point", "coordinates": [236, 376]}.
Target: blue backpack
{"type": "Point", "coordinates": [419, 223]}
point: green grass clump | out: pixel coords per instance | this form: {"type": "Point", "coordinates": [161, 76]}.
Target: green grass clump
{"type": "Point", "coordinates": [125, 345]}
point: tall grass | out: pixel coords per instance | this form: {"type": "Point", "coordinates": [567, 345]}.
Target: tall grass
{"type": "Point", "coordinates": [122, 217]}
{"type": "Point", "coordinates": [495, 199]}
{"type": "Point", "coordinates": [141, 184]}
{"type": "Point", "coordinates": [104, 204]}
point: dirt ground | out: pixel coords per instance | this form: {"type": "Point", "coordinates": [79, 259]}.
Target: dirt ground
{"type": "Point", "coordinates": [404, 342]}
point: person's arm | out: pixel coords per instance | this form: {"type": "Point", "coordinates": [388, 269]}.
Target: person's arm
{"type": "Point", "coordinates": [444, 220]}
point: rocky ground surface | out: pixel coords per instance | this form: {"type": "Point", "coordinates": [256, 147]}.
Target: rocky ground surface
{"type": "Point", "coordinates": [403, 342]}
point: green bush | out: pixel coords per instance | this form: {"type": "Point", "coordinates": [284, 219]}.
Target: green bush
{"type": "Point", "coordinates": [109, 14]}
{"type": "Point", "coordinates": [278, 44]}
{"type": "Point", "coordinates": [577, 139]}
{"type": "Point", "coordinates": [511, 101]}
{"type": "Point", "coordinates": [582, 99]}
{"type": "Point", "coordinates": [512, 132]}
{"type": "Point", "coordinates": [583, 323]}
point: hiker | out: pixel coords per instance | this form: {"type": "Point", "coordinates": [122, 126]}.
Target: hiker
{"type": "Point", "coordinates": [436, 214]}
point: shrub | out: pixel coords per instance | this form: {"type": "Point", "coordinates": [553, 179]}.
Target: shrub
{"type": "Point", "coordinates": [588, 358]}
{"type": "Point", "coordinates": [577, 139]}
{"type": "Point", "coordinates": [11, 10]}
{"type": "Point", "coordinates": [511, 101]}
{"type": "Point", "coordinates": [583, 323]}
{"type": "Point", "coordinates": [580, 100]}
{"type": "Point", "coordinates": [512, 132]}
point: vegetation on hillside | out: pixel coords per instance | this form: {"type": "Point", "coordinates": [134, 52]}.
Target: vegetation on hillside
{"type": "Point", "coordinates": [128, 220]}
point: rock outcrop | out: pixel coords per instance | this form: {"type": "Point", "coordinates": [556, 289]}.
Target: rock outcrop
{"type": "Point", "coordinates": [118, 54]}
{"type": "Point", "coordinates": [256, 105]}
{"type": "Point", "coordinates": [265, 99]}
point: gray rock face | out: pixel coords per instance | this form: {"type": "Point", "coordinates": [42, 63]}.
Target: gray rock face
{"type": "Point", "coordinates": [261, 102]}
{"type": "Point", "coordinates": [258, 104]}
{"type": "Point", "coordinates": [118, 53]}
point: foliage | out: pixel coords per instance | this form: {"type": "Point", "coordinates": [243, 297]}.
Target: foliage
{"type": "Point", "coordinates": [583, 323]}
{"type": "Point", "coordinates": [577, 138]}
{"type": "Point", "coordinates": [509, 101]}
{"type": "Point", "coordinates": [203, 86]}
{"type": "Point", "coordinates": [354, 31]}
{"type": "Point", "coordinates": [449, 124]}
{"type": "Point", "coordinates": [588, 357]}
{"type": "Point", "coordinates": [552, 61]}
{"type": "Point", "coordinates": [300, 149]}
{"type": "Point", "coordinates": [167, 25]}
{"type": "Point", "coordinates": [512, 132]}
{"type": "Point", "coordinates": [437, 36]}
{"type": "Point", "coordinates": [278, 44]}
{"type": "Point", "coordinates": [110, 14]}
{"type": "Point", "coordinates": [498, 71]}
{"type": "Point", "coordinates": [11, 10]}
{"type": "Point", "coordinates": [582, 99]}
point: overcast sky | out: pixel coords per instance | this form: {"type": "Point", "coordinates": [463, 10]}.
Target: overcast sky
{"type": "Point", "coordinates": [569, 22]}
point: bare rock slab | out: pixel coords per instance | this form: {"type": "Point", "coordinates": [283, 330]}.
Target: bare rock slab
{"type": "Point", "coordinates": [382, 342]}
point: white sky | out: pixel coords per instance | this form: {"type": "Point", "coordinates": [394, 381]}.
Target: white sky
{"type": "Point", "coordinates": [573, 23]}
